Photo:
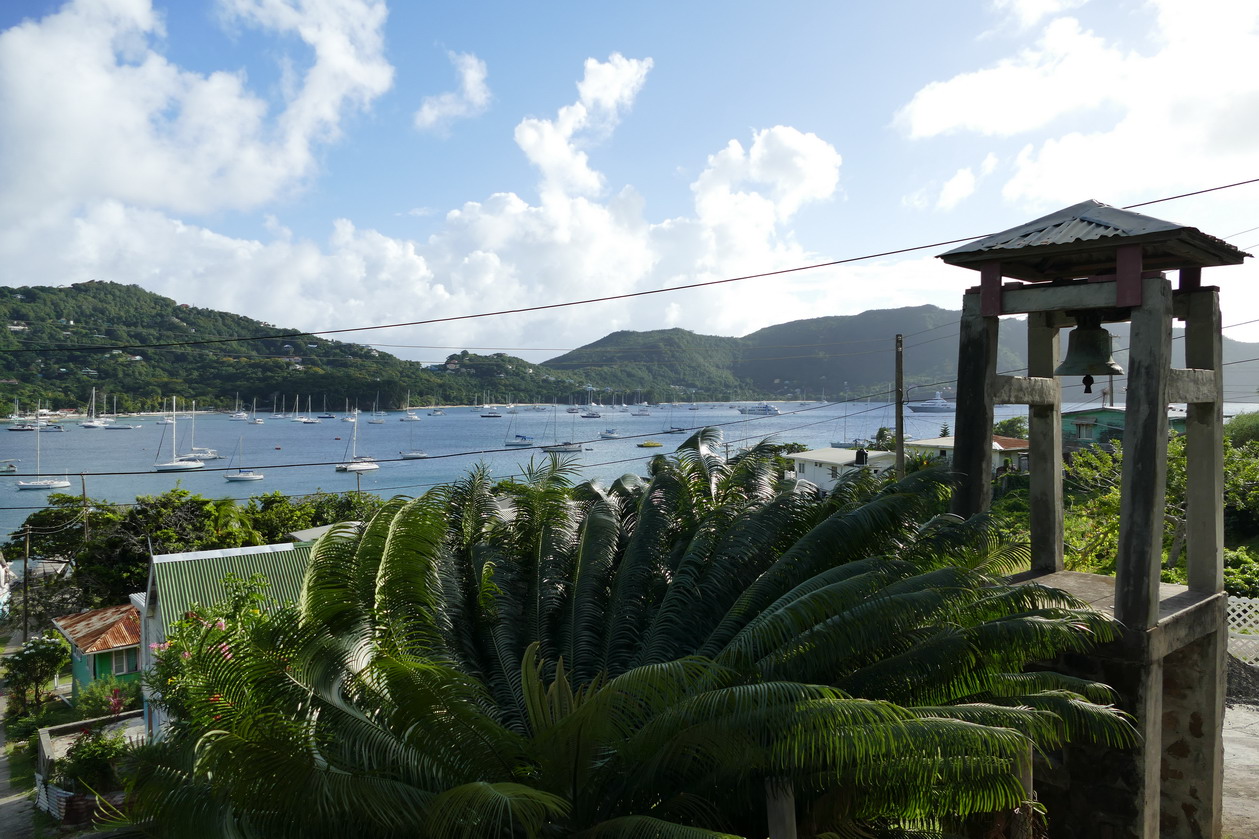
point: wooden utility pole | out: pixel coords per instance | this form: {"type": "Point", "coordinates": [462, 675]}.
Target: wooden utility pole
{"type": "Point", "coordinates": [83, 489]}
{"type": "Point", "coordinates": [900, 406]}
{"type": "Point", "coordinates": [26, 589]}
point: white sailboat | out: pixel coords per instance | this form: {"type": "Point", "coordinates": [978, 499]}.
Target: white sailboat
{"type": "Point", "coordinates": [410, 415]}
{"type": "Point", "coordinates": [40, 481]}
{"type": "Point", "coordinates": [560, 447]}
{"type": "Point", "coordinates": [195, 452]}
{"type": "Point", "coordinates": [175, 464]}
{"type": "Point", "coordinates": [517, 440]}
{"type": "Point", "coordinates": [239, 474]}
{"type": "Point", "coordinates": [92, 420]}
{"type": "Point", "coordinates": [357, 462]}
{"type": "Point", "coordinates": [413, 453]}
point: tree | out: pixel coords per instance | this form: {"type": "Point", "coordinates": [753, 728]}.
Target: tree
{"type": "Point", "coordinates": [32, 667]}
{"type": "Point", "coordinates": [632, 660]}
{"type": "Point", "coordinates": [1243, 428]}
{"type": "Point", "coordinates": [1011, 427]}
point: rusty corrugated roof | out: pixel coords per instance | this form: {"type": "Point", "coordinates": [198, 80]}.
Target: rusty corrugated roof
{"type": "Point", "coordinates": [1080, 239]}
{"type": "Point", "coordinates": [99, 630]}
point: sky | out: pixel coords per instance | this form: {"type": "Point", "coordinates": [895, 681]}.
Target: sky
{"type": "Point", "coordinates": [332, 164]}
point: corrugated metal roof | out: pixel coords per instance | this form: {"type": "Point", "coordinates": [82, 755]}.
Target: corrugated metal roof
{"type": "Point", "coordinates": [99, 630]}
{"type": "Point", "coordinates": [183, 580]}
{"type": "Point", "coordinates": [1063, 242]}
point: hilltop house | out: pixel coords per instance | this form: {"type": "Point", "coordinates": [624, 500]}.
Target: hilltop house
{"type": "Point", "coordinates": [103, 642]}
{"type": "Point", "coordinates": [940, 449]}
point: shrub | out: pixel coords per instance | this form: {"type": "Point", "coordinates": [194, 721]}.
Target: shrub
{"type": "Point", "coordinates": [108, 697]}
{"type": "Point", "coordinates": [1243, 428]}
{"type": "Point", "coordinates": [1241, 573]}
{"type": "Point", "coordinates": [89, 764]}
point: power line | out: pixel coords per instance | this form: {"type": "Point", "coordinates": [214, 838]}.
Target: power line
{"type": "Point", "coordinates": [590, 300]}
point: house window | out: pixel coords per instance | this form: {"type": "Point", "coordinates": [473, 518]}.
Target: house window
{"type": "Point", "coordinates": [834, 472]}
{"type": "Point", "coordinates": [126, 661]}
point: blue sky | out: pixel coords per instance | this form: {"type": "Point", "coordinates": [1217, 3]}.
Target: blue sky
{"type": "Point", "coordinates": [324, 164]}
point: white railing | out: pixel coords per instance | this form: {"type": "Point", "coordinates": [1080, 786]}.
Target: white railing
{"type": "Point", "coordinates": [1243, 628]}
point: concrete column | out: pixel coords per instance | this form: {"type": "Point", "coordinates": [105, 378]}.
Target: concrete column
{"type": "Point", "coordinates": [976, 367]}
{"type": "Point", "coordinates": [1192, 744]}
{"type": "Point", "coordinates": [1144, 459]}
{"type": "Point", "coordinates": [1044, 466]}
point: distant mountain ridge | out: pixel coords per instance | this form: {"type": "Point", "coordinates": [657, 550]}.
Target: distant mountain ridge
{"type": "Point", "coordinates": [147, 358]}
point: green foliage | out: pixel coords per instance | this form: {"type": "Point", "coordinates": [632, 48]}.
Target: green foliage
{"type": "Point", "coordinates": [1241, 573]}
{"type": "Point", "coordinates": [89, 763]}
{"type": "Point", "coordinates": [1243, 428]}
{"type": "Point", "coordinates": [114, 560]}
{"type": "Point", "coordinates": [1011, 427]}
{"type": "Point", "coordinates": [1093, 482]}
{"type": "Point", "coordinates": [20, 726]}
{"type": "Point", "coordinates": [634, 660]}
{"type": "Point", "coordinates": [32, 667]}
{"type": "Point", "coordinates": [108, 696]}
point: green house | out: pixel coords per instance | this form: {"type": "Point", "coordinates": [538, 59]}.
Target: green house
{"type": "Point", "coordinates": [103, 642]}
{"type": "Point", "coordinates": [179, 583]}
{"type": "Point", "coordinates": [1101, 424]}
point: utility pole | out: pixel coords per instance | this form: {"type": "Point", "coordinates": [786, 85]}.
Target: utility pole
{"type": "Point", "coordinates": [26, 589]}
{"type": "Point", "coordinates": [900, 406]}
{"type": "Point", "coordinates": [86, 528]}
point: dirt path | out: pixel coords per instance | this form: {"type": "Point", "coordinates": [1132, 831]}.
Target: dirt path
{"type": "Point", "coordinates": [1241, 771]}
{"type": "Point", "coordinates": [16, 808]}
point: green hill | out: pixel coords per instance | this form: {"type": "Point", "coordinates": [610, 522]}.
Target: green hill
{"type": "Point", "coordinates": [59, 343]}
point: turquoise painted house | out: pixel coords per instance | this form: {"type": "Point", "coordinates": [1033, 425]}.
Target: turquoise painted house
{"type": "Point", "coordinates": [103, 642]}
{"type": "Point", "coordinates": [1102, 424]}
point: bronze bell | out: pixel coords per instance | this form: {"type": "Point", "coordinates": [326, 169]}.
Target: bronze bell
{"type": "Point", "coordinates": [1088, 351]}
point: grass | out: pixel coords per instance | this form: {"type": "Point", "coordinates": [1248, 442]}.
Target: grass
{"type": "Point", "coordinates": [21, 765]}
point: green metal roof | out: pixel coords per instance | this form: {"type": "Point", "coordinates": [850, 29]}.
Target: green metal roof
{"type": "Point", "coordinates": [182, 580]}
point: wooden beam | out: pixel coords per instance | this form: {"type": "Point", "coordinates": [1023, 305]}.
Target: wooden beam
{"type": "Point", "coordinates": [1191, 278]}
{"type": "Point", "coordinates": [1128, 275]}
{"type": "Point", "coordinates": [990, 289]}
{"type": "Point", "coordinates": [1025, 390]}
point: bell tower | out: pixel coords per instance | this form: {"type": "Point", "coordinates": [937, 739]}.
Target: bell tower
{"type": "Point", "coordinates": [1081, 267]}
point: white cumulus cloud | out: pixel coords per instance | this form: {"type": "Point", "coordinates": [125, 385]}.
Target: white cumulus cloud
{"type": "Point", "coordinates": [92, 110]}
{"type": "Point", "coordinates": [436, 113]}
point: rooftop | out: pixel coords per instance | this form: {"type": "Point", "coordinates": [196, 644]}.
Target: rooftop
{"type": "Point", "coordinates": [100, 630]}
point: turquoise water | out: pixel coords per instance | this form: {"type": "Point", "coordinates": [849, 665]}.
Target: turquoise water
{"type": "Point", "coordinates": [299, 459]}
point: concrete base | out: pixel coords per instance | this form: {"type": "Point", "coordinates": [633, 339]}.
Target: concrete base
{"type": "Point", "coordinates": [1172, 679]}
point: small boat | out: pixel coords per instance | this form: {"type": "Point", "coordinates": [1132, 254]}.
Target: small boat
{"type": "Point", "coordinates": [51, 426]}
{"type": "Point", "coordinates": [939, 405]}
{"type": "Point", "coordinates": [677, 429]}
{"type": "Point", "coordinates": [92, 420]}
{"type": "Point", "coordinates": [609, 434]}
{"type": "Point", "coordinates": [239, 416]}
{"type": "Point", "coordinates": [590, 414]}
{"type": "Point", "coordinates": [436, 412]}
{"type": "Point", "coordinates": [492, 413]}
{"type": "Point", "coordinates": [641, 412]}
{"type": "Point", "coordinates": [414, 454]}
{"type": "Point", "coordinates": [564, 447]}
{"type": "Point", "coordinates": [113, 426]}
{"type": "Point", "coordinates": [650, 444]}
{"type": "Point", "coordinates": [519, 440]}
{"type": "Point", "coordinates": [23, 426]}
{"type": "Point", "coordinates": [410, 416]}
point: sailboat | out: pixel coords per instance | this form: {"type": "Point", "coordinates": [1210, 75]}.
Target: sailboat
{"type": "Point", "coordinates": [195, 452]}
{"type": "Point", "coordinates": [175, 464]}
{"type": "Point", "coordinates": [410, 415]}
{"type": "Point", "coordinates": [41, 482]}
{"type": "Point", "coordinates": [253, 413]}
{"type": "Point", "coordinates": [310, 418]}
{"type": "Point", "coordinates": [357, 462]}
{"type": "Point", "coordinates": [238, 415]}
{"type": "Point", "coordinates": [241, 474]}
{"type": "Point", "coordinates": [378, 416]}
{"type": "Point", "coordinates": [413, 453]}
{"type": "Point", "coordinates": [325, 414]}
{"type": "Point", "coordinates": [558, 447]}
{"type": "Point", "coordinates": [92, 420]}
{"type": "Point", "coordinates": [516, 440]}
